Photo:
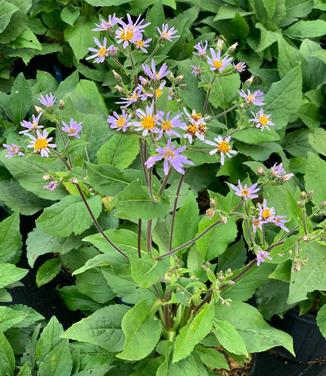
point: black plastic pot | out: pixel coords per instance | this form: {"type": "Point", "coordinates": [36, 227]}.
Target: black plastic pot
{"type": "Point", "coordinates": [309, 344]}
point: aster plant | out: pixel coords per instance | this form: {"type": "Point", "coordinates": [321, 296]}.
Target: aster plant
{"type": "Point", "coordinates": [177, 287]}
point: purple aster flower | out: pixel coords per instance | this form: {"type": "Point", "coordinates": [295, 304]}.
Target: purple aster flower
{"type": "Point", "coordinates": [151, 71]}
{"type": "Point", "coordinates": [130, 32]}
{"type": "Point", "coordinates": [172, 157]}
{"type": "Point", "coordinates": [169, 124]}
{"type": "Point", "coordinates": [278, 171]}
{"type": "Point", "coordinates": [217, 62]}
{"type": "Point", "coordinates": [262, 256]}
{"type": "Point", "coordinates": [41, 143]}
{"type": "Point", "coordinates": [73, 129]}
{"type": "Point", "coordinates": [13, 150]}
{"type": "Point", "coordinates": [119, 122]}
{"type": "Point", "coordinates": [142, 45]}
{"type": "Point", "coordinates": [107, 25]}
{"type": "Point", "coordinates": [245, 192]}
{"type": "Point", "coordinates": [148, 120]}
{"type": "Point", "coordinates": [201, 48]}
{"type": "Point", "coordinates": [100, 53]}
{"type": "Point", "coordinates": [257, 223]}
{"type": "Point", "coordinates": [31, 125]}
{"type": "Point", "coordinates": [262, 120]}
{"type": "Point", "coordinates": [266, 214]}
{"type": "Point", "coordinates": [112, 50]}
{"type": "Point", "coordinates": [196, 70]}
{"type": "Point", "coordinates": [222, 146]}
{"type": "Point", "coordinates": [256, 98]}
{"type": "Point", "coordinates": [47, 100]}
{"type": "Point", "coordinates": [279, 221]}
{"type": "Point", "coordinates": [51, 186]}
{"type": "Point", "coordinates": [167, 33]}
{"type": "Point", "coordinates": [240, 67]}
{"type": "Point", "coordinates": [132, 98]}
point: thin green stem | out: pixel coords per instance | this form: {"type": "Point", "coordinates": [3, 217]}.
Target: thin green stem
{"type": "Point", "coordinates": [208, 93]}
{"type": "Point", "coordinates": [139, 237]}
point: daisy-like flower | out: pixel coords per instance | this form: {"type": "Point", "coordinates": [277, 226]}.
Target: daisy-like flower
{"type": "Point", "coordinates": [172, 157]}
{"type": "Point", "coordinates": [256, 98]}
{"type": "Point", "coordinates": [47, 100]}
{"type": "Point", "coordinates": [240, 67]}
{"type": "Point", "coordinates": [222, 146]}
{"type": "Point", "coordinates": [201, 48]}
{"type": "Point", "coordinates": [142, 45]}
{"type": "Point", "coordinates": [277, 171]}
{"type": "Point", "coordinates": [72, 129]}
{"type": "Point", "coordinates": [132, 98]}
{"type": "Point", "coordinates": [150, 71]}
{"type": "Point", "coordinates": [100, 53]}
{"type": "Point", "coordinates": [262, 256]}
{"type": "Point", "coordinates": [107, 25]}
{"type": "Point", "coordinates": [12, 150]}
{"type": "Point", "coordinates": [217, 62]}
{"type": "Point", "coordinates": [266, 214]}
{"type": "Point", "coordinates": [51, 186]}
{"type": "Point", "coordinates": [119, 122]}
{"type": "Point", "coordinates": [245, 192]}
{"type": "Point", "coordinates": [31, 125]}
{"type": "Point", "coordinates": [196, 70]}
{"type": "Point", "coordinates": [130, 32]}
{"type": "Point", "coordinates": [112, 50]}
{"type": "Point", "coordinates": [262, 120]}
{"type": "Point", "coordinates": [168, 125]}
{"type": "Point", "coordinates": [41, 143]}
{"type": "Point", "coordinates": [279, 221]}
{"type": "Point", "coordinates": [167, 33]}
{"type": "Point", "coordinates": [257, 223]}
{"type": "Point", "coordinates": [148, 120]}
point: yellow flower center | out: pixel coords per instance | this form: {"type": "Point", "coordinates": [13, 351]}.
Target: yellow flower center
{"type": "Point", "coordinates": [166, 125]}
{"type": "Point", "coordinates": [71, 130]}
{"type": "Point", "coordinates": [168, 153]}
{"type": "Point", "coordinates": [102, 51]}
{"type": "Point", "coordinates": [40, 143]}
{"type": "Point", "coordinates": [196, 116]}
{"type": "Point", "coordinates": [266, 213]}
{"type": "Point", "coordinates": [192, 129]}
{"type": "Point", "coordinates": [217, 64]}
{"type": "Point", "coordinates": [121, 121]}
{"type": "Point", "coordinates": [127, 34]}
{"type": "Point", "coordinates": [140, 43]}
{"type": "Point", "coordinates": [202, 128]}
{"type": "Point", "coordinates": [250, 98]}
{"type": "Point", "coordinates": [245, 192]}
{"type": "Point", "coordinates": [148, 122]}
{"type": "Point", "coordinates": [263, 120]}
{"type": "Point", "coordinates": [165, 35]}
{"type": "Point", "coordinates": [223, 147]}
{"type": "Point", "coordinates": [158, 92]}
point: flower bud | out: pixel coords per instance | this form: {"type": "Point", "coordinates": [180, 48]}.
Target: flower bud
{"type": "Point", "coordinates": [119, 89]}
{"type": "Point", "coordinates": [46, 177]}
{"type": "Point", "coordinates": [310, 194]}
{"type": "Point", "coordinates": [74, 180]}
{"type": "Point", "coordinates": [250, 80]}
{"type": "Point", "coordinates": [303, 195]}
{"type": "Point", "coordinates": [301, 204]}
{"type": "Point", "coordinates": [323, 204]}
{"type": "Point", "coordinates": [306, 238]}
{"type": "Point", "coordinates": [233, 47]}
{"type": "Point", "coordinates": [38, 109]}
{"type": "Point", "coordinates": [61, 104]}
{"type": "Point", "coordinates": [179, 78]}
{"type": "Point", "coordinates": [210, 213]}
{"type": "Point", "coordinates": [224, 219]}
{"type": "Point", "coordinates": [116, 75]}
{"type": "Point", "coordinates": [220, 43]}
{"type": "Point", "coordinates": [260, 171]}
{"type": "Point", "coordinates": [212, 202]}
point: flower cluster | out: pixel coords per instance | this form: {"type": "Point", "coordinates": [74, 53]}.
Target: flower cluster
{"type": "Point", "coordinates": [123, 34]}
{"type": "Point", "coordinates": [268, 215]}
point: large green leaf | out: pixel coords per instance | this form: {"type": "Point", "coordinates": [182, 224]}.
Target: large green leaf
{"type": "Point", "coordinates": [69, 216]}
{"type": "Point", "coordinates": [307, 29]}
{"type": "Point", "coordinates": [321, 320]}
{"type": "Point", "coordinates": [10, 238]}
{"type": "Point", "coordinates": [288, 56]}
{"type": "Point", "coordinates": [58, 362]}
{"type": "Point", "coordinates": [119, 151]}
{"type": "Point", "coordinates": [191, 334]}
{"type": "Point", "coordinates": [315, 178]}
{"type": "Point", "coordinates": [6, 11]}
{"type": "Point", "coordinates": [109, 180]}
{"type": "Point", "coordinates": [20, 99]}
{"type": "Point", "coordinates": [284, 97]}
{"type": "Point", "coordinates": [311, 276]}
{"type": "Point", "coordinates": [216, 241]}
{"type": "Point", "coordinates": [9, 274]}
{"type": "Point", "coordinates": [229, 337]}
{"type": "Point", "coordinates": [224, 90]}
{"type": "Point", "coordinates": [256, 136]}
{"type": "Point", "coordinates": [102, 328]}
{"type": "Point", "coordinates": [136, 326]}
{"type": "Point", "coordinates": [134, 203]}
{"type": "Point", "coordinates": [257, 334]}
{"type": "Point", "coordinates": [47, 271]}
{"type": "Point", "coordinates": [7, 357]}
